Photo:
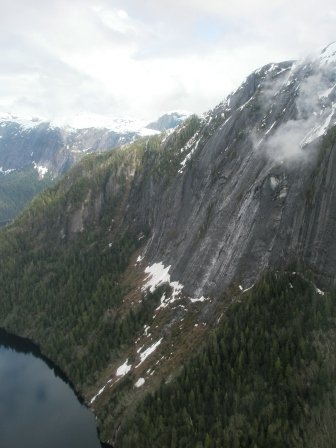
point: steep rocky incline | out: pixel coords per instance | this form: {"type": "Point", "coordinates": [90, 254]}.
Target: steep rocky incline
{"type": "Point", "coordinates": [169, 120]}
{"type": "Point", "coordinates": [137, 253]}
{"type": "Point", "coordinates": [255, 188]}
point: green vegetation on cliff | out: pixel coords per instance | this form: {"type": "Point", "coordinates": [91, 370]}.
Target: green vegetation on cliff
{"type": "Point", "coordinates": [17, 189]}
{"type": "Point", "coordinates": [60, 285]}
{"type": "Point", "coordinates": [266, 378]}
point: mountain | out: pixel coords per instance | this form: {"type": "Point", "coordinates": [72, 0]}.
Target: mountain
{"type": "Point", "coordinates": [168, 121]}
{"type": "Point", "coordinates": [158, 255]}
{"type": "Point", "coordinates": [51, 149]}
{"type": "Point", "coordinates": [56, 148]}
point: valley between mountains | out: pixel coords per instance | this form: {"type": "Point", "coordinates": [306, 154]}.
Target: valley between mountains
{"type": "Point", "coordinates": [184, 282]}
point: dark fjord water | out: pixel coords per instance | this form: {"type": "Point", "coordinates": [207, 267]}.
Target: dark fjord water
{"type": "Point", "coordinates": [37, 408]}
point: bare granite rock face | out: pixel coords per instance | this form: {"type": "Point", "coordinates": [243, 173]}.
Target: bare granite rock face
{"type": "Point", "coordinates": [256, 189]}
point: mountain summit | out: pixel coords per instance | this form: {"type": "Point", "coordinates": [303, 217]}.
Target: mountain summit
{"type": "Point", "coordinates": [168, 121]}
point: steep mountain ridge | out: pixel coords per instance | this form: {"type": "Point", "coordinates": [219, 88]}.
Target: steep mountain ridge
{"type": "Point", "coordinates": [255, 188]}
{"type": "Point", "coordinates": [168, 121]}
{"type": "Point", "coordinates": [137, 254]}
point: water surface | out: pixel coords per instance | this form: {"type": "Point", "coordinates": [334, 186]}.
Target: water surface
{"type": "Point", "coordinates": [37, 408]}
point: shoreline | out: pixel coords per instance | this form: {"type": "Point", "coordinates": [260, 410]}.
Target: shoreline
{"type": "Point", "coordinates": [25, 345]}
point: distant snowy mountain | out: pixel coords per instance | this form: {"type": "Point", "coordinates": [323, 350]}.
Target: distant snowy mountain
{"type": "Point", "coordinates": [55, 146]}
{"type": "Point", "coordinates": [88, 121]}
{"type": "Point", "coordinates": [32, 149]}
{"type": "Point", "coordinates": [170, 120]}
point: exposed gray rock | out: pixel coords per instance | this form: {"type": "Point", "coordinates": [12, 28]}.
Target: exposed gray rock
{"type": "Point", "coordinates": [168, 121]}
{"type": "Point", "coordinates": [256, 191]}
{"type": "Point", "coordinates": [252, 189]}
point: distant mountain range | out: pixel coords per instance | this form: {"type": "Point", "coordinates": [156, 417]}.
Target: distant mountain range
{"type": "Point", "coordinates": [168, 121]}
{"type": "Point", "coordinates": [54, 148]}
{"type": "Point", "coordinates": [51, 149]}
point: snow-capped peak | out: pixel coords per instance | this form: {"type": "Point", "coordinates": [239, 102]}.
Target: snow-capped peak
{"type": "Point", "coordinates": [118, 125]}
{"type": "Point", "coordinates": [328, 54]}
{"type": "Point", "coordinates": [179, 112]}
{"type": "Point", "coordinates": [24, 121]}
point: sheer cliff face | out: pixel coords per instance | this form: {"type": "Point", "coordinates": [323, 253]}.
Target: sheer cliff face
{"type": "Point", "coordinates": [255, 188]}
{"type": "Point", "coordinates": [247, 187]}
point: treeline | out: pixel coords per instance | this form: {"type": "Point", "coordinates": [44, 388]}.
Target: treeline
{"type": "Point", "coordinates": [264, 378]}
{"type": "Point", "coordinates": [70, 299]}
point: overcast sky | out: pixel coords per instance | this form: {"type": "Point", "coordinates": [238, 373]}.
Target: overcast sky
{"type": "Point", "coordinates": [140, 58]}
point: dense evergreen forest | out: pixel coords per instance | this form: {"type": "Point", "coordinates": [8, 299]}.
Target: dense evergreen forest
{"type": "Point", "coordinates": [74, 304]}
{"type": "Point", "coordinates": [17, 189]}
{"type": "Point", "coordinates": [266, 378]}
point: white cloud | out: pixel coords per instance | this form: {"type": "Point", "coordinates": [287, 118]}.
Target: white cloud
{"type": "Point", "coordinates": [130, 58]}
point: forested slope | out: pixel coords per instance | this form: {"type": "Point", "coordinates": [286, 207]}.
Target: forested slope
{"type": "Point", "coordinates": [265, 378]}
{"type": "Point", "coordinates": [17, 189]}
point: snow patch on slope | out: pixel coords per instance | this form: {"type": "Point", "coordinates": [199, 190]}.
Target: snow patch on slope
{"type": "Point", "coordinates": [93, 399]}
{"type": "Point", "coordinates": [320, 129]}
{"type": "Point", "coordinates": [123, 369]}
{"type": "Point", "coordinates": [140, 382]}
{"type": "Point", "coordinates": [42, 170]}
{"type": "Point", "coordinates": [157, 275]}
{"type": "Point", "coordinates": [5, 172]}
{"type": "Point", "coordinates": [190, 146]}
{"type": "Point", "coordinates": [144, 355]}
{"type": "Point", "coordinates": [201, 299]}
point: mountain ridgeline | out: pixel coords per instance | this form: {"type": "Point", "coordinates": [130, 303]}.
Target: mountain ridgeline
{"type": "Point", "coordinates": [34, 152]}
{"type": "Point", "coordinates": [140, 256]}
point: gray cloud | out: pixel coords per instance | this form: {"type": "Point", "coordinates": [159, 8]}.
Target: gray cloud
{"type": "Point", "coordinates": [126, 57]}
{"type": "Point", "coordinates": [288, 143]}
